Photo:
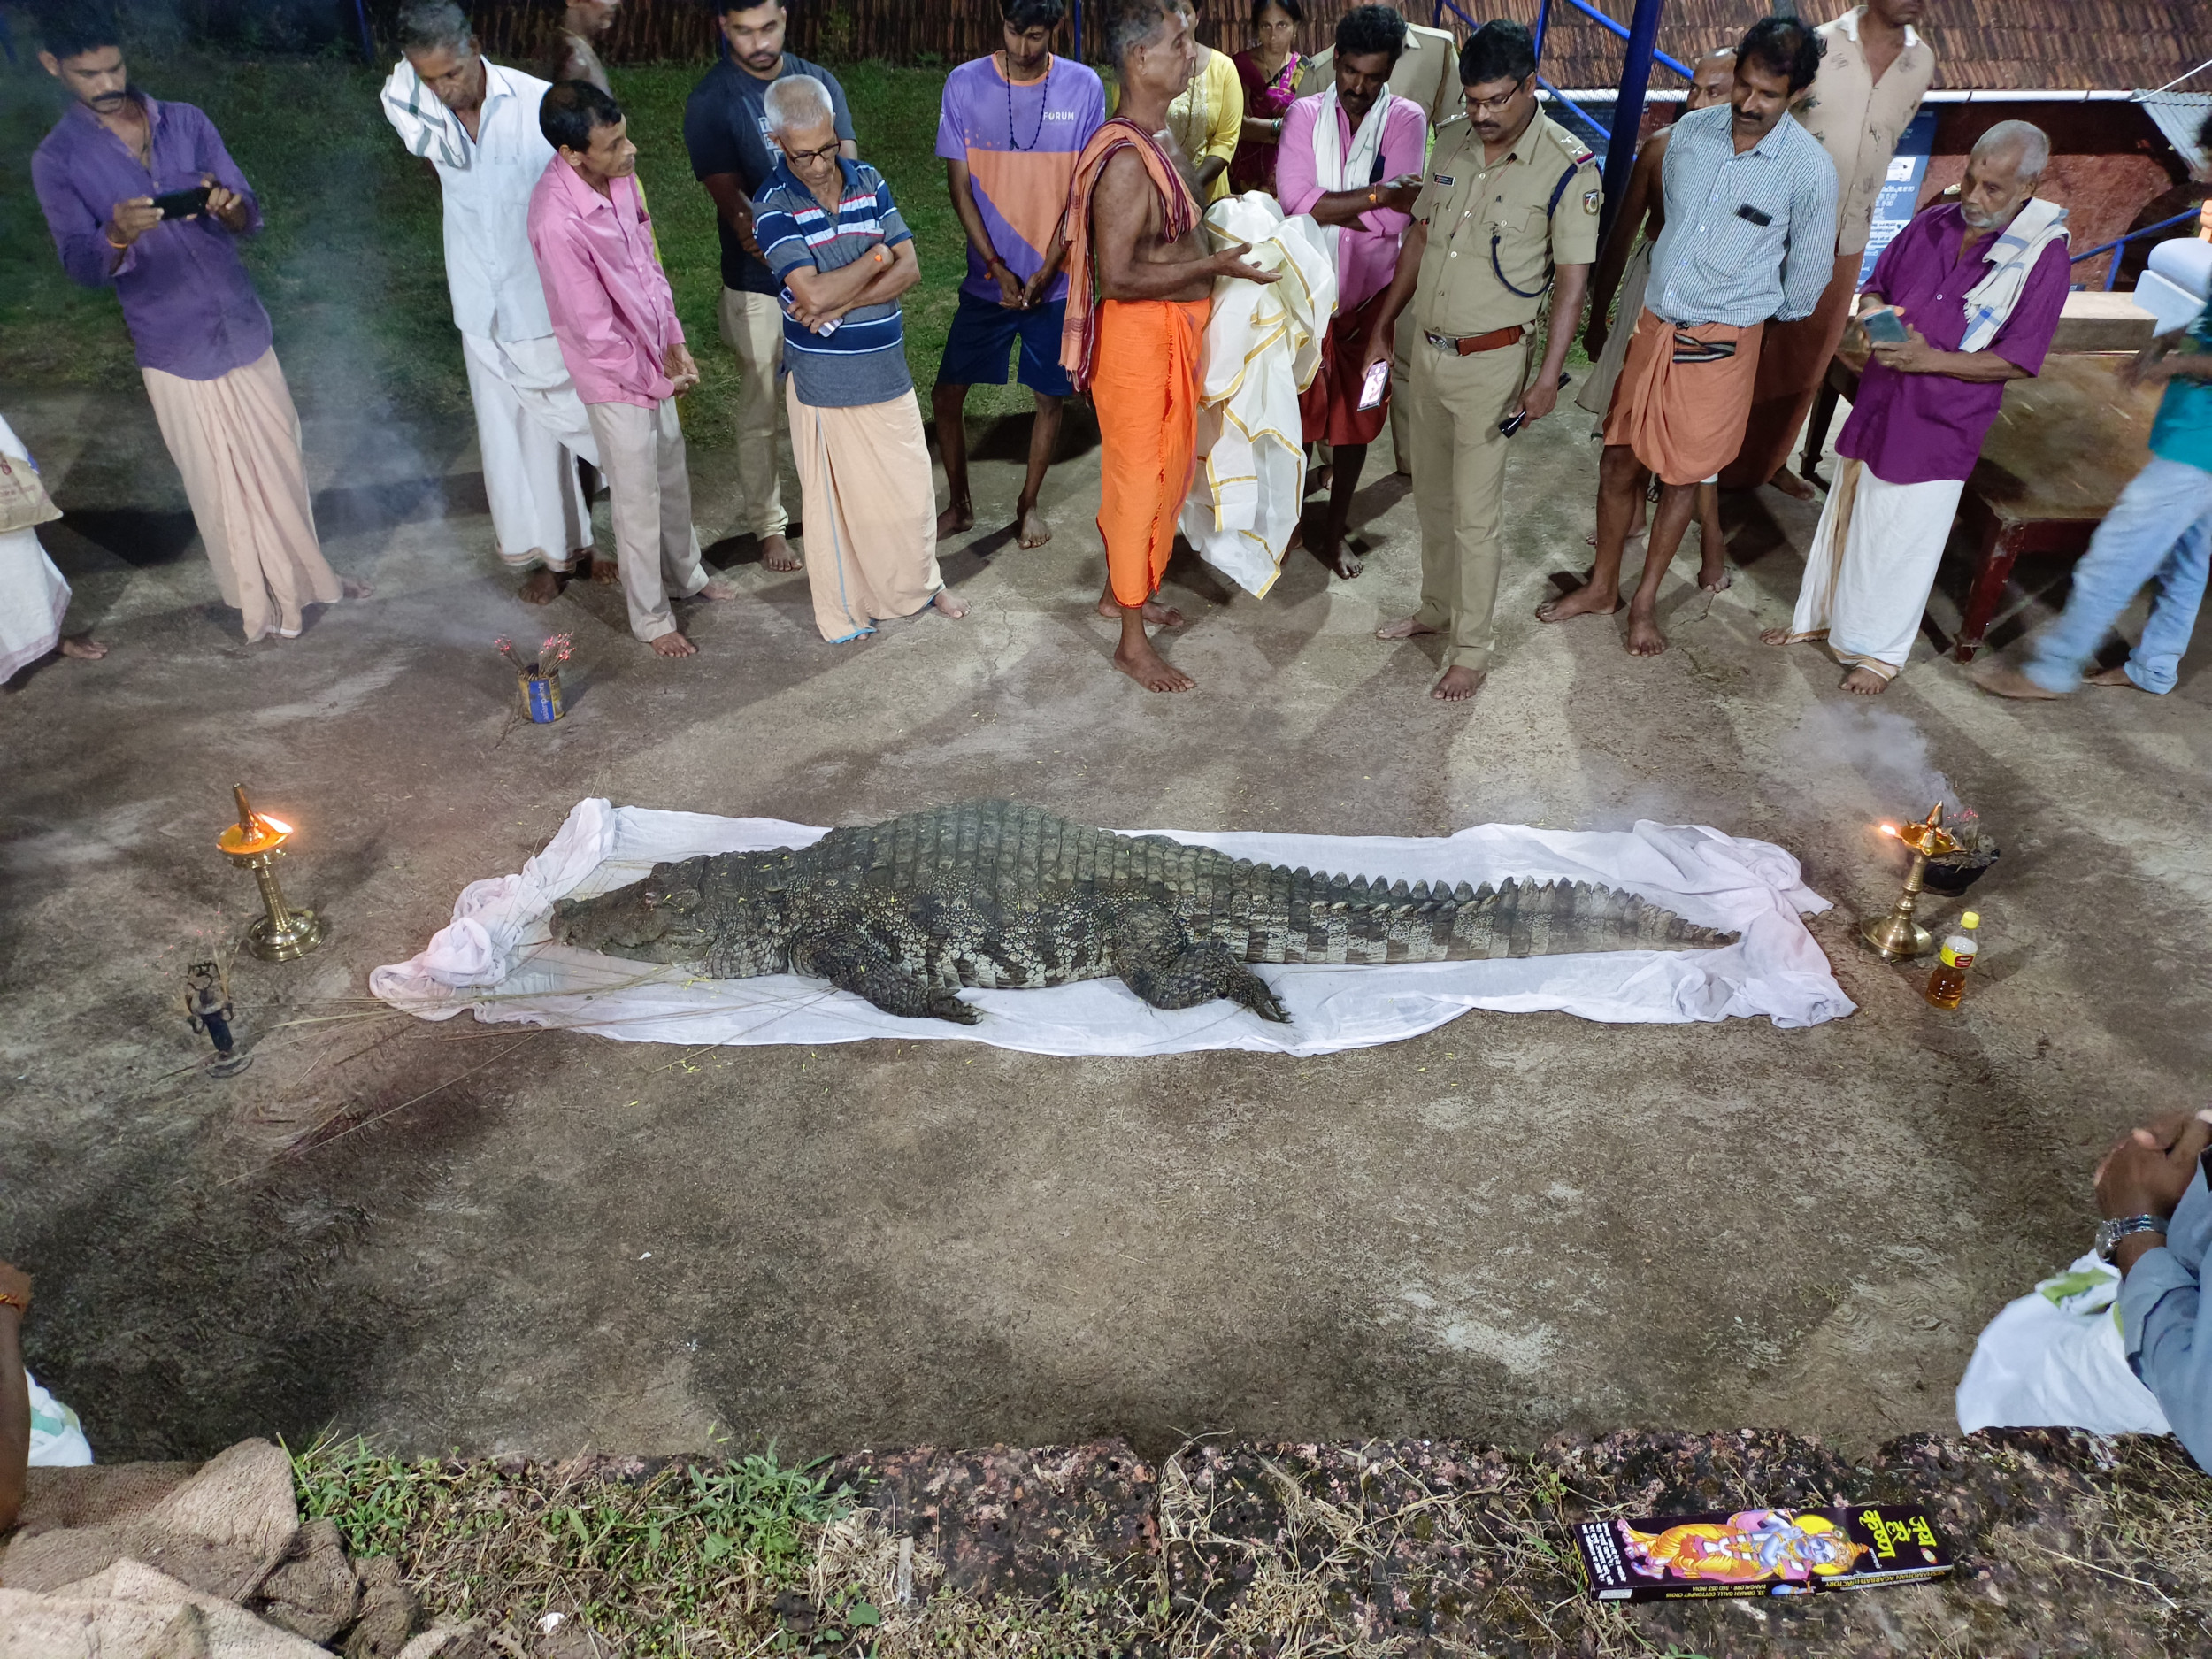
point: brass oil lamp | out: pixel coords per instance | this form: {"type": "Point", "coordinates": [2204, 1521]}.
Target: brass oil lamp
{"type": "Point", "coordinates": [1896, 937]}
{"type": "Point", "coordinates": [256, 843]}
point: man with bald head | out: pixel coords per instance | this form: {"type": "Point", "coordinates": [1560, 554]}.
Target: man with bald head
{"type": "Point", "coordinates": [1975, 289]}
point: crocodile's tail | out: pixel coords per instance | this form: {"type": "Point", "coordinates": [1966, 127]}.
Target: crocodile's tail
{"type": "Point", "coordinates": [1297, 916]}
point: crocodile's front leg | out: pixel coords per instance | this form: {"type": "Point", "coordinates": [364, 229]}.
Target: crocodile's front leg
{"type": "Point", "coordinates": [853, 962]}
{"type": "Point", "coordinates": [1158, 960]}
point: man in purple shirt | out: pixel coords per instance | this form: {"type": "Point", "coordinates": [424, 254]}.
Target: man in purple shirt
{"type": "Point", "coordinates": [143, 197]}
{"type": "Point", "coordinates": [1974, 289]}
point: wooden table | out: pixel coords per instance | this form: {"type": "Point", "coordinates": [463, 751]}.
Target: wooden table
{"type": "Point", "coordinates": [2063, 447]}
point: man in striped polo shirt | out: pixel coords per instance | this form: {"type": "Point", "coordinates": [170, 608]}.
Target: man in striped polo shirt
{"type": "Point", "coordinates": [830, 232]}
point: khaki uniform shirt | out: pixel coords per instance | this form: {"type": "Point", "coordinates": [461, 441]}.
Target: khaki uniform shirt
{"type": "Point", "coordinates": [1427, 72]}
{"type": "Point", "coordinates": [1464, 199]}
{"type": "Point", "coordinates": [1858, 120]}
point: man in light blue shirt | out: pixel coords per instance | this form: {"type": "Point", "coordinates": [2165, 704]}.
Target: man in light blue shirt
{"type": "Point", "coordinates": [1750, 202]}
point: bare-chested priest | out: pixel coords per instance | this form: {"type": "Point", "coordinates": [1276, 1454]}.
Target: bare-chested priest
{"type": "Point", "coordinates": [1140, 287]}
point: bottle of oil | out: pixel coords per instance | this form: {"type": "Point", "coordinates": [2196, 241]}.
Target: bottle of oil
{"type": "Point", "coordinates": [1947, 984]}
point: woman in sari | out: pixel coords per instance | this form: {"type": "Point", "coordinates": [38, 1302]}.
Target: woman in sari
{"type": "Point", "coordinates": [1269, 72]}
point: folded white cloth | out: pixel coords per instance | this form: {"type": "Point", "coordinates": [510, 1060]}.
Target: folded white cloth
{"type": "Point", "coordinates": [423, 124]}
{"type": "Point", "coordinates": [1263, 347]}
{"type": "Point", "coordinates": [1989, 303]}
{"type": "Point", "coordinates": [496, 958]}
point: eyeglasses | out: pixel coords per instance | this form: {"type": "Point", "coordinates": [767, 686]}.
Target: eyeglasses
{"type": "Point", "coordinates": [795, 157]}
{"type": "Point", "coordinates": [1492, 106]}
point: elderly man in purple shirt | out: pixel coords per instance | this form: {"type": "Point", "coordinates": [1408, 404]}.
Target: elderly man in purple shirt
{"type": "Point", "coordinates": [143, 197]}
{"type": "Point", "coordinates": [1965, 299]}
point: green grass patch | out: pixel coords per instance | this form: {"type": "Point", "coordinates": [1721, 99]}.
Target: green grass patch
{"type": "Point", "coordinates": [686, 1560]}
{"type": "Point", "coordinates": [351, 263]}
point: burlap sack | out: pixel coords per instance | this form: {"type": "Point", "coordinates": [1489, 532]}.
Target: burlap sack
{"type": "Point", "coordinates": [56, 1627]}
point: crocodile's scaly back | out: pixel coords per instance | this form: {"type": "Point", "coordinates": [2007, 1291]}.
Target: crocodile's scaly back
{"type": "Point", "coordinates": [1008, 856]}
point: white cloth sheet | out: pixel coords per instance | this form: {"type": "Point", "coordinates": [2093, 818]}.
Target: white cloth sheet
{"type": "Point", "coordinates": [530, 428]}
{"type": "Point", "coordinates": [486, 183]}
{"type": "Point", "coordinates": [496, 958]}
{"type": "Point", "coordinates": [2054, 1358]}
{"type": "Point", "coordinates": [1336, 168]}
{"type": "Point", "coordinates": [1263, 347]}
{"type": "Point", "coordinates": [33, 596]}
{"type": "Point", "coordinates": [1872, 561]}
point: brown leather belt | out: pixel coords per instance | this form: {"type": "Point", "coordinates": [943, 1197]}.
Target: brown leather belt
{"type": "Point", "coordinates": [1467, 345]}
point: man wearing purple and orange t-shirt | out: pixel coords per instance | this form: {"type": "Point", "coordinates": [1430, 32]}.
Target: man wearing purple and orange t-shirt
{"type": "Point", "coordinates": [1010, 131]}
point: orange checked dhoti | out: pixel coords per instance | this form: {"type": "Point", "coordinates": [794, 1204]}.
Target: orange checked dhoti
{"type": "Point", "coordinates": [1145, 386]}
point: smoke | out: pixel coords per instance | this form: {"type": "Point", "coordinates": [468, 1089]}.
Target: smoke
{"type": "Point", "coordinates": [1885, 748]}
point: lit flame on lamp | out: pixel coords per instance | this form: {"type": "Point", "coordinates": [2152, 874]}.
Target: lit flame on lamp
{"type": "Point", "coordinates": [256, 843]}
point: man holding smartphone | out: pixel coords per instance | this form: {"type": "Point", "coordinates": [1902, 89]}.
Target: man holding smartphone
{"type": "Point", "coordinates": [1966, 298]}
{"type": "Point", "coordinates": [1506, 219]}
{"type": "Point", "coordinates": [204, 343]}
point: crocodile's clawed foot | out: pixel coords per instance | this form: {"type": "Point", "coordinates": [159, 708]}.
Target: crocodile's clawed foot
{"type": "Point", "coordinates": [1255, 995]}
{"type": "Point", "coordinates": [950, 1007]}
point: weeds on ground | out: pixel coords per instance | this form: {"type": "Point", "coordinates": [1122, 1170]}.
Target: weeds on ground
{"type": "Point", "coordinates": [2148, 1522]}
{"type": "Point", "coordinates": [690, 1560]}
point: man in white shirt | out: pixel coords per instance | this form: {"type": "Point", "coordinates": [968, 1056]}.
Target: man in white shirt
{"type": "Point", "coordinates": [477, 123]}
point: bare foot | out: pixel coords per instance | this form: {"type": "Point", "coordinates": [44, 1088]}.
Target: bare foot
{"type": "Point", "coordinates": [1404, 629]}
{"type": "Point", "coordinates": [1718, 580]}
{"type": "Point", "coordinates": [1586, 600]}
{"type": "Point", "coordinates": [348, 587]}
{"type": "Point", "coordinates": [674, 645]}
{"type": "Point", "coordinates": [1865, 682]}
{"type": "Point", "coordinates": [2001, 679]}
{"type": "Point", "coordinates": [84, 647]}
{"type": "Point", "coordinates": [1459, 684]}
{"type": "Point", "coordinates": [605, 570]}
{"type": "Point", "coordinates": [716, 589]}
{"type": "Point", "coordinates": [1148, 668]}
{"type": "Point", "coordinates": [542, 587]}
{"type": "Point", "coordinates": [1158, 615]}
{"type": "Point", "coordinates": [1788, 482]}
{"type": "Point", "coordinates": [1034, 528]}
{"type": "Point", "coordinates": [2110, 677]}
{"type": "Point", "coordinates": [1341, 559]}
{"type": "Point", "coordinates": [1644, 638]}
{"type": "Point", "coordinates": [1319, 479]}
{"type": "Point", "coordinates": [776, 555]}
{"type": "Point", "coordinates": [947, 605]}
{"type": "Point", "coordinates": [958, 517]}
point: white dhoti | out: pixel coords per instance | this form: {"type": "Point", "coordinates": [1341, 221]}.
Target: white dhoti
{"type": "Point", "coordinates": [2054, 1358]}
{"type": "Point", "coordinates": [1872, 562]}
{"type": "Point", "coordinates": [236, 440]}
{"type": "Point", "coordinates": [34, 596]}
{"type": "Point", "coordinates": [531, 428]}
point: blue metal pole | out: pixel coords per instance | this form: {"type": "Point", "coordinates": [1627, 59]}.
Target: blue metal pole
{"type": "Point", "coordinates": [1543, 21]}
{"type": "Point", "coordinates": [1628, 109]}
{"type": "Point", "coordinates": [1078, 31]}
{"type": "Point", "coordinates": [368, 40]}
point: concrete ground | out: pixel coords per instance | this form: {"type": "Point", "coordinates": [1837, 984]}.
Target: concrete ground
{"type": "Point", "coordinates": [488, 1237]}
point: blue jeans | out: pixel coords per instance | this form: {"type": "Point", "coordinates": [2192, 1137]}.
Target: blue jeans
{"type": "Point", "coordinates": [2161, 530]}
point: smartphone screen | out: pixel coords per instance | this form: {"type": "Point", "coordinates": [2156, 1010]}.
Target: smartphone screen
{"type": "Point", "coordinates": [1378, 382]}
{"type": "Point", "coordinates": [182, 204]}
{"type": "Point", "coordinates": [1885, 328]}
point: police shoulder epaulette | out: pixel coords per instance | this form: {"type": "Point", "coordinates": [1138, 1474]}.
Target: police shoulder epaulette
{"type": "Point", "coordinates": [1576, 152]}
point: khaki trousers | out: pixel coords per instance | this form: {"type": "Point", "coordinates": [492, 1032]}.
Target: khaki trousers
{"type": "Point", "coordinates": [1459, 485]}
{"type": "Point", "coordinates": [752, 326]}
{"type": "Point", "coordinates": [642, 453]}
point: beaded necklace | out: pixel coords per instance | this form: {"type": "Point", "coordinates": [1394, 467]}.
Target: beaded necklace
{"type": "Point", "coordinates": [1044, 94]}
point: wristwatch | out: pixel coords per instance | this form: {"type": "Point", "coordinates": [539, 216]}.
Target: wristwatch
{"type": "Point", "coordinates": [2111, 1231]}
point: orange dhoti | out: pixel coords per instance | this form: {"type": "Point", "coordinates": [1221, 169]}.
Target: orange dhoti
{"type": "Point", "coordinates": [1684, 420]}
{"type": "Point", "coordinates": [1145, 387]}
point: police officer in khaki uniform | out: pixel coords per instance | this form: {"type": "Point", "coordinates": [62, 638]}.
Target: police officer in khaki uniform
{"type": "Point", "coordinates": [1507, 210]}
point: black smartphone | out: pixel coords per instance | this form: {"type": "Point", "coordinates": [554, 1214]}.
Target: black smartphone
{"type": "Point", "coordinates": [182, 204]}
{"type": "Point", "coordinates": [1518, 419]}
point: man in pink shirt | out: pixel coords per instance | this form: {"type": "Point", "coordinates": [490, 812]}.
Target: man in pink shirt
{"type": "Point", "coordinates": [1351, 156]}
{"type": "Point", "coordinates": [616, 321]}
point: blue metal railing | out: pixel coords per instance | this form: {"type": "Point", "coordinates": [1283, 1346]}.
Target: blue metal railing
{"type": "Point", "coordinates": [2112, 271]}
{"type": "Point", "coordinates": [1570, 107]}
{"type": "Point", "coordinates": [1621, 29]}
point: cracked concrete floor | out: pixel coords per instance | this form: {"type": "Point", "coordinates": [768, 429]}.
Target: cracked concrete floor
{"type": "Point", "coordinates": [484, 1238]}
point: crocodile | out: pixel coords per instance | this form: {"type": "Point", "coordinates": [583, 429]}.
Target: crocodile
{"type": "Point", "coordinates": [908, 912]}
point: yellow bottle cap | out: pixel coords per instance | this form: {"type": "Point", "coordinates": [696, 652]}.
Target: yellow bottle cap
{"type": "Point", "coordinates": [1972, 919]}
